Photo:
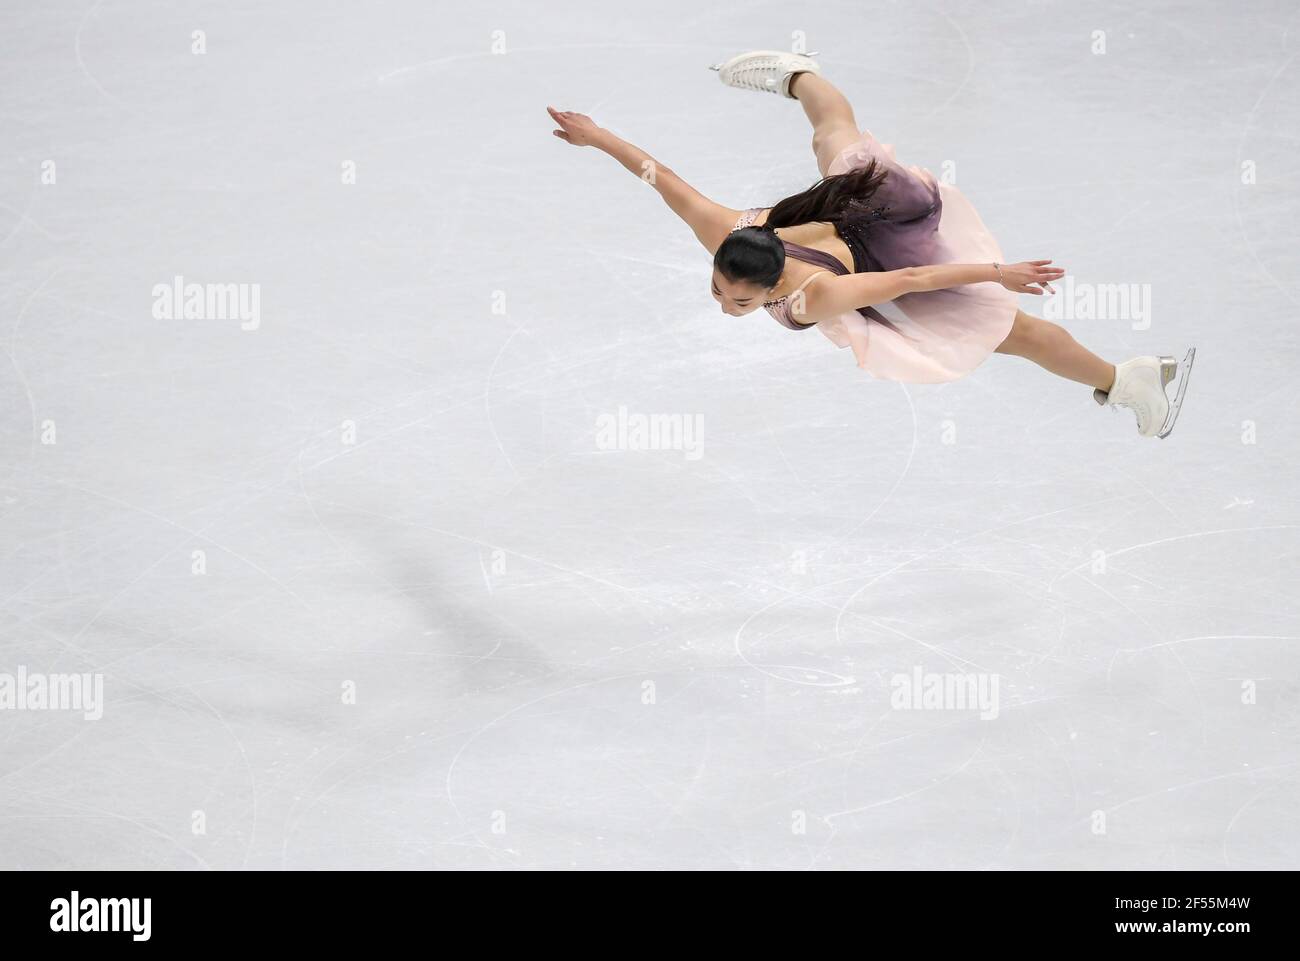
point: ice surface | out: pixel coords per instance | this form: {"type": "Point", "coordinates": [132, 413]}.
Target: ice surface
{"type": "Point", "coordinates": [564, 655]}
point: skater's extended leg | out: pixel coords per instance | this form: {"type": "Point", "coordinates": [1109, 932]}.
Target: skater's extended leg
{"type": "Point", "coordinates": [1051, 347]}
{"type": "Point", "coordinates": [830, 114]}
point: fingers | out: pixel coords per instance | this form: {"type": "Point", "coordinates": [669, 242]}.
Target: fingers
{"type": "Point", "coordinates": [560, 118]}
{"type": "Point", "coordinates": [1044, 275]}
{"type": "Point", "coordinates": [567, 116]}
{"type": "Point", "coordinates": [1037, 277]}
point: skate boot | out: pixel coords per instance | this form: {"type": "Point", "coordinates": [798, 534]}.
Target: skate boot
{"type": "Point", "coordinates": [768, 71]}
{"type": "Point", "coordinates": [1140, 386]}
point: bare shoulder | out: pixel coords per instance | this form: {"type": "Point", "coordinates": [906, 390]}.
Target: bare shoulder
{"type": "Point", "coordinates": [726, 216]}
{"type": "Point", "coordinates": [713, 223]}
{"type": "Point", "coordinates": [722, 221]}
{"type": "Point", "coordinates": [752, 216]}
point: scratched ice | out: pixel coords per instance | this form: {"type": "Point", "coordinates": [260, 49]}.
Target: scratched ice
{"type": "Point", "coordinates": [366, 589]}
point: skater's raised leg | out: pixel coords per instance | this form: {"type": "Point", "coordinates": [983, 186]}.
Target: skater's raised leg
{"type": "Point", "coordinates": [829, 112]}
{"type": "Point", "coordinates": [1051, 347]}
{"type": "Point", "coordinates": [798, 76]}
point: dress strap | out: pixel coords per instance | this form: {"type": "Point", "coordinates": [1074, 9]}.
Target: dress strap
{"type": "Point", "coordinates": [780, 309]}
{"type": "Point", "coordinates": [785, 301]}
{"type": "Point", "coordinates": [811, 277]}
{"type": "Point", "coordinates": [811, 255]}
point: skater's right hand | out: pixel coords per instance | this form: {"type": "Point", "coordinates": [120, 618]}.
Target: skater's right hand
{"type": "Point", "coordinates": [1023, 277]}
{"type": "Point", "coordinates": [575, 128]}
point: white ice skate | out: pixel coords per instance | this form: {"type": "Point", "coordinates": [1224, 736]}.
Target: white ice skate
{"type": "Point", "coordinates": [768, 71]}
{"type": "Point", "coordinates": [1140, 386]}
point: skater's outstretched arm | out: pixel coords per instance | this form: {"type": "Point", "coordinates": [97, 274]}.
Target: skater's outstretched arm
{"type": "Point", "coordinates": [838, 295]}
{"type": "Point", "coordinates": [711, 222]}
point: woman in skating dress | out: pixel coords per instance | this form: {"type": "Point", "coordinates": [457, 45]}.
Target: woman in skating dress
{"type": "Point", "coordinates": [881, 257]}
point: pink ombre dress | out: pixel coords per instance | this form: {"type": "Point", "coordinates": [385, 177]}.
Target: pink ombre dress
{"type": "Point", "coordinates": [912, 220]}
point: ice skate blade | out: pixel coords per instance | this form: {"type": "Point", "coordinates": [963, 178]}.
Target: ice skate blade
{"type": "Point", "coordinates": [1176, 405]}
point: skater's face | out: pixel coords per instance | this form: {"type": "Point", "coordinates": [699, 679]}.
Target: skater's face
{"type": "Point", "coordinates": [737, 297]}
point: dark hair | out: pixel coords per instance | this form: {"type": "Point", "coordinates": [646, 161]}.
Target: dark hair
{"type": "Point", "coordinates": [753, 254]}
{"type": "Point", "coordinates": [756, 254]}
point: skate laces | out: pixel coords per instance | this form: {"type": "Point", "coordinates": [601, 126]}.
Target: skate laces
{"type": "Point", "coordinates": [1133, 398]}
{"type": "Point", "coordinates": [755, 73]}
{"type": "Point", "coordinates": [1140, 410]}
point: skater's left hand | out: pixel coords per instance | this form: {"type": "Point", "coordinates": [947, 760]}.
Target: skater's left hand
{"type": "Point", "coordinates": [575, 128]}
{"type": "Point", "coordinates": [1031, 276]}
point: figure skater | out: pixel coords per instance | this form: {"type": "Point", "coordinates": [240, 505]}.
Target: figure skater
{"type": "Point", "coordinates": [880, 257]}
